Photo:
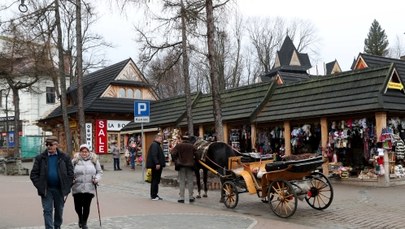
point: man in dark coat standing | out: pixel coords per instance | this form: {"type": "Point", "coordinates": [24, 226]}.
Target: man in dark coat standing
{"type": "Point", "coordinates": [52, 175]}
{"type": "Point", "coordinates": [184, 155]}
{"type": "Point", "coordinates": [155, 162]}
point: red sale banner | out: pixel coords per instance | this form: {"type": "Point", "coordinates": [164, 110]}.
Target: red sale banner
{"type": "Point", "coordinates": [101, 136]}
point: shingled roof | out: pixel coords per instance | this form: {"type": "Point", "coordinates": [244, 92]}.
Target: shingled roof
{"type": "Point", "coordinates": [286, 54]}
{"type": "Point", "coordinates": [94, 85]}
{"type": "Point", "coordinates": [237, 104]}
{"type": "Point", "coordinates": [290, 65]}
{"type": "Point", "coordinates": [164, 112]}
{"type": "Point", "coordinates": [332, 67]}
{"type": "Point", "coordinates": [287, 77]}
{"type": "Point", "coordinates": [376, 61]}
{"type": "Point", "coordinates": [346, 93]}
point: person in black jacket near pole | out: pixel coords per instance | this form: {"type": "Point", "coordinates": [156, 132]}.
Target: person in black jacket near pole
{"type": "Point", "coordinates": [52, 176]}
{"type": "Point", "coordinates": [156, 162]}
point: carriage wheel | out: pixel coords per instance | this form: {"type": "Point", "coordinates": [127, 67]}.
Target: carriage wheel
{"type": "Point", "coordinates": [231, 196]}
{"type": "Point", "coordinates": [320, 193]}
{"type": "Point", "coordinates": [282, 198]}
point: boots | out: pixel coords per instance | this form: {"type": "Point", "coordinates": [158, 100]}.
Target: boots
{"type": "Point", "coordinates": [84, 226]}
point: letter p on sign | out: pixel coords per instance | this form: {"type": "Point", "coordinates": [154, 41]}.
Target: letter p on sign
{"type": "Point", "coordinates": [142, 108]}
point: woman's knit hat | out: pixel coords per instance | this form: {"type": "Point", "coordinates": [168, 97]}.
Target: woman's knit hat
{"type": "Point", "coordinates": [84, 146]}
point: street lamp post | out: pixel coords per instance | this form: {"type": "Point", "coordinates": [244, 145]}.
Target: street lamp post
{"type": "Point", "coordinates": [22, 7]}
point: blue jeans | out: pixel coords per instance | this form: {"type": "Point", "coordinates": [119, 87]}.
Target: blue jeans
{"type": "Point", "coordinates": [53, 200]}
{"type": "Point", "coordinates": [132, 160]}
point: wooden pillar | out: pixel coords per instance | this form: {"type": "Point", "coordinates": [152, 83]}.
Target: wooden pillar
{"type": "Point", "coordinates": [226, 133]}
{"type": "Point", "coordinates": [253, 136]}
{"type": "Point", "coordinates": [287, 137]}
{"type": "Point", "coordinates": [201, 131]}
{"type": "Point", "coordinates": [380, 123]}
{"type": "Point", "coordinates": [324, 143]}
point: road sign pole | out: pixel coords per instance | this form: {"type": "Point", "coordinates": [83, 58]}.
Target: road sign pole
{"type": "Point", "coordinates": [141, 115]}
{"type": "Point", "coordinates": [143, 153]}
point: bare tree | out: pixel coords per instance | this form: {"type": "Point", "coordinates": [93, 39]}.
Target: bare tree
{"type": "Point", "coordinates": [215, 86]}
{"type": "Point", "coordinates": [79, 72]}
{"type": "Point", "coordinates": [237, 66]}
{"type": "Point", "coordinates": [52, 23]}
{"type": "Point", "coordinates": [397, 49]}
{"type": "Point", "coordinates": [184, 23]}
{"type": "Point", "coordinates": [183, 17]}
{"type": "Point", "coordinates": [268, 34]}
{"type": "Point", "coordinates": [23, 62]}
{"type": "Point", "coordinates": [62, 75]}
{"type": "Point", "coordinates": [167, 81]}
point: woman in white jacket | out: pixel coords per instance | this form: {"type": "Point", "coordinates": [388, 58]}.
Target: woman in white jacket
{"type": "Point", "coordinates": [87, 174]}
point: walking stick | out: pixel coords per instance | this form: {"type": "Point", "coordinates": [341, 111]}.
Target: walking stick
{"type": "Point", "coordinates": [98, 206]}
{"type": "Point", "coordinates": [64, 200]}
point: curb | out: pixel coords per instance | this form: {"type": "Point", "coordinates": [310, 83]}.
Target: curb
{"type": "Point", "coordinates": [213, 183]}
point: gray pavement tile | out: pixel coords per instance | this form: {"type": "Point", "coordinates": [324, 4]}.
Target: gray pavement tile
{"type": "Point", "coordinates": [169, 221]}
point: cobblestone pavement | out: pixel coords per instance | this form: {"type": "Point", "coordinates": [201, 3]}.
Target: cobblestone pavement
{"type": "Point", "coordinates": [199, 221]}
{"type": "Point", "coordinates": [124, 203]}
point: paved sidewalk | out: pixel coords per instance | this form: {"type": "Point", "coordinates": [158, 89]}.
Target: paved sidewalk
{"type": "Point", "coordinates": [125, 203]}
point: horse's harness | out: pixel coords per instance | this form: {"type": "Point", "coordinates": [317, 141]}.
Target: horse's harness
{"type": "Point", "coordinates": [203, 145]}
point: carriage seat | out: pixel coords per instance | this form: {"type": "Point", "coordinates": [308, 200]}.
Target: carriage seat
{"type": "Point", "coordinates": [251, 157]}
{"type": "Point", "coordinates": [297, 165]}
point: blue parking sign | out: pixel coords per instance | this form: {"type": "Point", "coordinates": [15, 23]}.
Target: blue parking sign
{"type": "Point", "coordinates": [141, 111]}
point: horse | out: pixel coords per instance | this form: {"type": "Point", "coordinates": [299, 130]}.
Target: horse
{"type": "Point", "coordinates": [214, 155]}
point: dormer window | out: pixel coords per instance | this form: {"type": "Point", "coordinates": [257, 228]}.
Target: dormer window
{"type": "Point", "coordinates": [130, 93]}
{"type": "Point", "coordinates": [121, 93]}
{"type": "Point", "coordinates": [138, 94]}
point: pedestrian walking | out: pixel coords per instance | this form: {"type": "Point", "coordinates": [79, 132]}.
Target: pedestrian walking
{"type": "Point", "coordinates": [155, 161]}
{"type": "Point", "coordinates": [184, 155]}
{"type": "Point", "coordinates": [133, 148]}
{"type": "Point", "coordinates": [87, 174]}
{"type": "Point", "coordinates": [127, 156]}
{"type": "Point", "coordinates": [115, 151]}
{"type": "Point", "coordinates": [52, 176]}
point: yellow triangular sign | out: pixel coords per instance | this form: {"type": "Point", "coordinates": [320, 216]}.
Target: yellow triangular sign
{"type": "Point", "coordinates": [395, 82]}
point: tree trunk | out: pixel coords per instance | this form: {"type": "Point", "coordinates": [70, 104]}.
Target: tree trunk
{"type": "Point", "coordinates": [62, 76]}
{"type": "Point", "coordinates": [186, 71]}
{"type": "Point", "coordinates": [216, 96]}
{"type": "Point", "coordinates": [79, 72]}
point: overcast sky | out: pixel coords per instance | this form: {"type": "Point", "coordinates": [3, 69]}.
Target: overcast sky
{"type": "Point", "coordinates": [341, 26]}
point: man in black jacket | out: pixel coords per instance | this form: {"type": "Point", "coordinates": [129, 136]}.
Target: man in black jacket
{"type": "Point", "coordinates": [52, 176]}
{"type": "Point", "coordinates": [155, 161]}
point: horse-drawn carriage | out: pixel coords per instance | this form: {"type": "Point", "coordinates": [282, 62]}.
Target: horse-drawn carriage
{"type": "Point", "coordinates": [279, 183]}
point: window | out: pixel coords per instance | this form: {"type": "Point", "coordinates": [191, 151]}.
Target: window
{"type": "Point", "coordinates": [50, 95]}
{"type": "Point", "coordinates": [121, 93]}
{"type": "Point", "coordinates": [130, 93]}
{"type": "Point", "coordinates": [138, 94]}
